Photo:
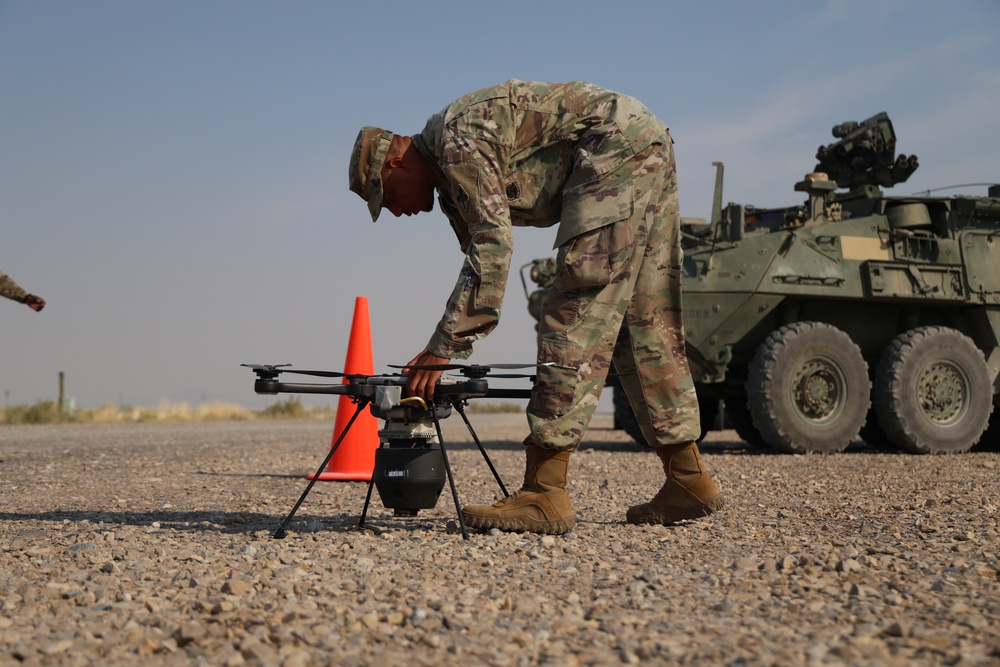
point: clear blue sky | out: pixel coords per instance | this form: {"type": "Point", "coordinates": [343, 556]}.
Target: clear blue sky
{"type": "Point", "coordinates": [173, 174]}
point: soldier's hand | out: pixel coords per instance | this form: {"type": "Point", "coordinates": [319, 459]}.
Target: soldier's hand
{"type": "Point", "coordinates": [34, 302]}
{"type": "Point", "coordinates": [422, 382]}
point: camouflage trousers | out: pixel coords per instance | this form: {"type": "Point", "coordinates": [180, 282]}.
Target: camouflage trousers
{"type": "Point", "coordinates": [617, 297]}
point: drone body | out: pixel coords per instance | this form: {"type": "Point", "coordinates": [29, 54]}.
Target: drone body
{"type": "Point", "coordinates": [411, 462]}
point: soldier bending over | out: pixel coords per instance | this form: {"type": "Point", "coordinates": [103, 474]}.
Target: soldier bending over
{"type": "Point", "coordinates": [600, 166]}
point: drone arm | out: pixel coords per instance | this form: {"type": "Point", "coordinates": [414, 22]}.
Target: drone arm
{"type": "Point", "coordinates": [508, 393]}
{"type": "Point", "coordinates": [368, 388]}
{"type": "Point", "coordinates": [275, 387]}
{"type": "Point", "coordinates": [459, 391]}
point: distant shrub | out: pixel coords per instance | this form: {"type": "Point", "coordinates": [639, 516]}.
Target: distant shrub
{"type": "Point", "coordinates": [47, 412]}
{"type": "Point", "coordinates": [106, 414]}
{"type": "Point", "coordinates": [223, 411]}
{"type": "Point", "coordinates": [43, 412]}
{"type": "Point", "coordinates": [290, 408]}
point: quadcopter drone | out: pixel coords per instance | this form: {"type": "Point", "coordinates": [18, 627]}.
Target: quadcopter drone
{"type": "Point", "coordinates": [411, 462]}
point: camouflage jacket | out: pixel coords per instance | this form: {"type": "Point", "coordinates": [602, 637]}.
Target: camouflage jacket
{"type": "Point", "coordinates": [10, 289]}
{"type": "Point", "coordinates": [526, 154]}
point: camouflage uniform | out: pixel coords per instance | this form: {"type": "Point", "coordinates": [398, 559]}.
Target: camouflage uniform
{"type": "Point", "coordinates": [601, 166]}
{"type": "Point", "coordinates": [11, 290]}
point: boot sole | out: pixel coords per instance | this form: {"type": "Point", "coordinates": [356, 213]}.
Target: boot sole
{"type": "Point", "coordinates": [520, 524]}
{"type": "Point", "coordinates": [710, 506]}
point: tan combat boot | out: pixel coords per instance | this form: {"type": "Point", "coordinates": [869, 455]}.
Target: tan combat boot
{"type": "Point", "coordinates": [542, 504]}
{"type": "Point", "coordinates": [688, 493]}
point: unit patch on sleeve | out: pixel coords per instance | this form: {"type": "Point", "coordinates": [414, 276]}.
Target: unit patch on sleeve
{"type": "Point", "coordinates": [512, 191]}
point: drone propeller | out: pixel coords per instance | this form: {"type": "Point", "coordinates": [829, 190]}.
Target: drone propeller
{"type": "Point", "coordinates": [271, 371]}
{"type": "Point", "coordinates": [322, 374]}
{"type": "Point", "coordinates": [453, 367]}
{"type": "Point", "coordinates": [473, 370]}
{"type": "Point", "coordinates": [266, 371]}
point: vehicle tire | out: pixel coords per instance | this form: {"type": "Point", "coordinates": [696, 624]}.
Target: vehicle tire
{"type": "Point", "coordinates": [742, 422]}
{"type": "Point", "coordinates": [808, 389]}
{"type": "Point", "coordinates": [625, 418]}
{"type": "Point", "coordinates": [934, 394]}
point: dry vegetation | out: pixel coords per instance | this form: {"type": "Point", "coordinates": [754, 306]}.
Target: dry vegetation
{"type": "Point", "coordinates": [47, 412]}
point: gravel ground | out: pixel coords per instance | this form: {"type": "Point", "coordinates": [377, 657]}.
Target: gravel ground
{"type": "Point", "coordinates": [151, 544]}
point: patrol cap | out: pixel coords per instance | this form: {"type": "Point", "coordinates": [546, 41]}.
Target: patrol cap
{"type": "Point", "coordinates": [367, 158]}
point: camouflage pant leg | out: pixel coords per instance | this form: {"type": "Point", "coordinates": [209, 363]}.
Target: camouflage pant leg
{"type": "Point", "coordinates": [585, 311]}
{"type": "Point", "coordinates": [650, 356]}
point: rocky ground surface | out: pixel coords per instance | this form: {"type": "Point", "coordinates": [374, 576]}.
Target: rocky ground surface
{"type": "Point", "coordinates": [152, 544]}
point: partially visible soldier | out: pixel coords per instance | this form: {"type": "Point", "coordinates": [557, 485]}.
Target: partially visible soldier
{"type": "Point", "coordinates": [12, 290]}
{"type": "Point", "coordinates": [599, 165]}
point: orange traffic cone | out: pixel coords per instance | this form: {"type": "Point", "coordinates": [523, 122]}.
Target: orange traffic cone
{"type": "Point", "coordinates": [354, 459]}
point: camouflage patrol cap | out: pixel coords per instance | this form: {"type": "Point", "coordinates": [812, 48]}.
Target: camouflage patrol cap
{"type": "Point", "coordinates": [367, 158]}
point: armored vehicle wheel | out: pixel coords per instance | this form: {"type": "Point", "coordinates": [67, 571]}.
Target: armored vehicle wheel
{"type": "Point", "coordinates": [742, 422]}
{"type": "Point", "coordinates": [808, 388]}
{"type": "Point", "coordinates": [933, 391]}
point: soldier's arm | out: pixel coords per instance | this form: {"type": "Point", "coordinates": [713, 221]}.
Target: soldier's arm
{"type": "Point", "coordinates": [12, 290]}
{"type": "Point", "coordinates": [473, 309]}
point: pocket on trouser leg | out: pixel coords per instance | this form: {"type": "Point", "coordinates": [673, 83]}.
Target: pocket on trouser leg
{"type": "Point", "coordinates": [594, 258]}
{"type": "Point", "coordinates": [555, 387]}
{"type": "Point", "coordinates": [564, 397]}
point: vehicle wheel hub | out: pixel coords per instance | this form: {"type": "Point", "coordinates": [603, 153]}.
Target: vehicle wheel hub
{"type": "Point", "coordinates": [942, 391]}
{"type": "Point", "coordinates": [817, 389]}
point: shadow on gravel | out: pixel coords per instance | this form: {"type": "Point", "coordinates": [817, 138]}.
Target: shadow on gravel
{"type": "Point", "coordinates": [267, 475]}
{"type": "Point", "coordinates": [216, 522]}
{"type": "Point", "coordinates": [232, 523]}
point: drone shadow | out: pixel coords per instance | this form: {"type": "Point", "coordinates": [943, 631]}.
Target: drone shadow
{"type": "Point", "coordinates": [234, 523]}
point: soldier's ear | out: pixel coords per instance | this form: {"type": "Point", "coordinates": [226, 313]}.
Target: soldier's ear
{"type": "Point", "coordinates": [397, 162]}
{"type": "Point", "coordinates": [391, 162]}
{"type": "Point", "coordinates": [398, 153]}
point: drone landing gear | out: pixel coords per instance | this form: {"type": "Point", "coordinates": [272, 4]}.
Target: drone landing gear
{"type": "Point", "coordinates": [406, 510]}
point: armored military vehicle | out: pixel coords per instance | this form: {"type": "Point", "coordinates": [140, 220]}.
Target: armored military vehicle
{"type": "Point", "coordinates": [851, 313]}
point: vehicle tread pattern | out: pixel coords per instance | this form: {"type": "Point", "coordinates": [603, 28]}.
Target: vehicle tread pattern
{"type": "Point", "coordinates": [763, 388]}
{"type": "Point", "coordinates": [897, 418]}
